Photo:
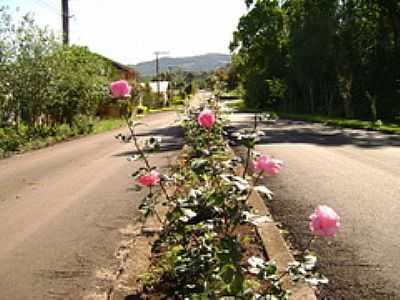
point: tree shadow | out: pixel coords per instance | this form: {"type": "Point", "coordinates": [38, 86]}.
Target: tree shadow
{"type": "Point", "coordinates": [172, 140]}
{"type": "Point", "coordinates": [286, 131]}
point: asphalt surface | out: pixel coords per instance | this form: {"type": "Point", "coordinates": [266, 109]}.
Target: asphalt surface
{"type": "Point", "coordinates": [358, 174]}
{"type": "Point", "coordinates": [63, 210]}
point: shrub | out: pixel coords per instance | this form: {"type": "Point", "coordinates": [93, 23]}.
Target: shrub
{"type": "Point", "coordinates": [82, 124]}
{"type": "Point", "coordinates": [44, 83]}
{"type": "Point", "coordinates": [10, 140]}
{"type": "Point", "coordinates": [63, 131]}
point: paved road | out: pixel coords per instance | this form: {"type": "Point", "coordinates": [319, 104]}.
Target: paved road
{"type": "Point", "coordinates": [358, 174]}
{"type": "Point", "coordinates": [62, 210]}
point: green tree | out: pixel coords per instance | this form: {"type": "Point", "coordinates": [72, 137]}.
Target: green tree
{"type": "Point", "coordinates": [321, 56]}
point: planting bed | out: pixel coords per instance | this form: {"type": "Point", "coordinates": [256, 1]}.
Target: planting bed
{"type": "Point", "coordinates": [210, 232]}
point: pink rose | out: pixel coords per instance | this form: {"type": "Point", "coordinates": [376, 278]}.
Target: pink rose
{"type": "Point", "coordinates": [266, 164]}
{"type": "Point", "coordinates": [151, 179]}
{"type": "Point", "coordinates": [324, 221]}
{"type": "Point", "coordinates": [120, 89]}
{"type": "Point", "coordinates": [206, 118]}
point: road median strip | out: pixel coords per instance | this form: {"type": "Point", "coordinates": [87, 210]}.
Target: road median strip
{"type": "Point", "coordinates": [212, 230]}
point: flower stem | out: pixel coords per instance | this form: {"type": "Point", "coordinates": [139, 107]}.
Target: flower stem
{"type": "Point", "coordinates": [258, 177]}
{"type": "Point", "coordinates": [248, 157]}
{"type": "Point", "coordinates": [164, 190]}
{"type": "Point", "coordinates": [308, 245]}
{"type": "Point", "coordinates": [148, 167]}
{"type": "Point", "coordinates": [141, 152]}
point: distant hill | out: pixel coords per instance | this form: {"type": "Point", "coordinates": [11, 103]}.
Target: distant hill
{"type": "Point", "coordinates": [206, 62]}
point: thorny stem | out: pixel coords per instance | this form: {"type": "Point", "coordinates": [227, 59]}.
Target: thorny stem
{"type": "Point", "coordinates": [164, 190]}
{"type": "Point", "coordinates": [158, 217]}
{"type": "Point", "coordinates": [255, 122]}
{"type": "Point", "coordinates": [146, 161]}
{"type": "Point", "coordinates": [308, 246]}
{"type": "Point", "coordinates": [141, 152]}
{"type": "Point", "coordinates": [248, 157]}
{"type": "Point", "coordinates": [282, 275]}
{"type": "Point", "coordinates": [258, 177]}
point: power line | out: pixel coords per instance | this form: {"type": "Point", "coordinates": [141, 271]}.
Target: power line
{"type": "Point", "coordinates": [49, 7]}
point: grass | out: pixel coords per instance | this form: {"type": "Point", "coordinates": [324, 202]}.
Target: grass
{"type": "Point", "coordinates": [168, 108]}
{"type": "Point", "coordinates": [99, 126]}
{"type": "Point", "coordinates": [231, 95]}
{"type": "Point", "coordinates": [107, 125]}
{"type": "Point", "coordinates": [64, 133]}
{"type": "Point", "coordinates": [345, 123]}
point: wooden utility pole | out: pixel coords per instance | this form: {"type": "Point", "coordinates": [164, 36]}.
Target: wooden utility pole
{"type": "Point", "coordinates": [158, 75]}
{"type": "Point", "coordinates": [157, 54]}
{"type": "Point", "coordinates": [65, 21]}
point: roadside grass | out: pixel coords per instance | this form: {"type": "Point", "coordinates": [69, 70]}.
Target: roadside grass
{"type": "Point", "coordinates": [345, 123]}
{"type": "Point", "coordinates": [390, 128]}
{"type": "Point", "coordinates": [168, 108]}
{"type": "Point", "coordinates": [231, 95]}
{"type": "Point", "coordinates": [12, 143]}
{"type": "Point", "coordinates": [107, 125]}
{"type": "Point", "coordinates": [157, 110]}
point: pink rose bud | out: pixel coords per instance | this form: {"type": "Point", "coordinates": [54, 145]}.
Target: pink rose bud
{"type": "Point", "coordinates": [265, 164]}
{"type": "Point", "coordinates": [120, 89]}
{"type": "Point", "coordinates": [153, 178]}
{"type": "Point", "coordinates": [206, 118]}
{"type": "Point", "coordinates": [324, 221]}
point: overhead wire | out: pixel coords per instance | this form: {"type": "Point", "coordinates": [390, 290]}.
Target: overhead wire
{"type": "Point", "coordinates": [49, 7]}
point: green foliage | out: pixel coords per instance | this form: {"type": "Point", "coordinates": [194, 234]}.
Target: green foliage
{"type": "Point", "coordinates": [82, 124]}
{"type": "Point", "coordinates": [20, 139]}
{"type": "Point", "coordinates": [78, 83]}
{"type": "Point", "coordinates": [200, 253]}
{"type": "Point", "coordinates": [45, 84]}
{"type": "Point", "coordinates": [10, 140]}
{"type": "Point", "coordinates": [328, 57]}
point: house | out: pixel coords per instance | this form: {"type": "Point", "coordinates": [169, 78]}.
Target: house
{"type": "Point", "coordinates": [160, 87]}
{"type": "Point", "coordinates": [113, 109]}
{"type": "Point", "coordinates": [123, 71]}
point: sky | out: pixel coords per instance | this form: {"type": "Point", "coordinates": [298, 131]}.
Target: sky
{"type": "Point", "coordinates": [130, 31]}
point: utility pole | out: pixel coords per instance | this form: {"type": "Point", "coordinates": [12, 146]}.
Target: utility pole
{"type": "Point", "coordinates": [157, 54]}
{"type": "Point", "coordinates": [158, 75]}
{"type": "Point", "coordinates": [65, 21]}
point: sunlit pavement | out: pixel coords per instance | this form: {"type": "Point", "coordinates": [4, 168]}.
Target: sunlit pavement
{"type": "Point", "coordinates": [358, 174]}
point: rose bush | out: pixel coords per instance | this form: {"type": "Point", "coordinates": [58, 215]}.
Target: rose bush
{"type": "Point", "coordinates": [206, 248]}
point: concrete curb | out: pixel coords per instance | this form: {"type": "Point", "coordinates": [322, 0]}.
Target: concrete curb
{"type": "Point", "coordinates": [276, 248]}
{"type": "Point", "coordinates": [278, 251]}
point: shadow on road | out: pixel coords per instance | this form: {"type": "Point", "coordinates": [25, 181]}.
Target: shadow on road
{"type": "Point", "coordinates": [285, 131]}
{"type": "Point", "coordinates": [172, 140]}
